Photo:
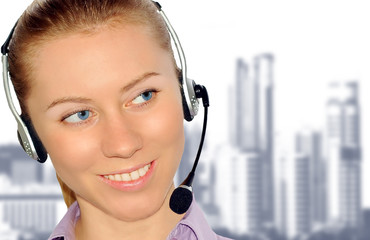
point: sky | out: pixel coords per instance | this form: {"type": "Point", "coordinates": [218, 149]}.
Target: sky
{"type": "Point", "coordinates": [314, 42]}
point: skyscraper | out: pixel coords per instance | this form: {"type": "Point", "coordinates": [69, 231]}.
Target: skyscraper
{"type": "Point", "coordinates": [309, 143]}
{"type": "Point", "coordinates": [281, 210]}
{"type": "Point", "coordinates": [239, 190]}
{"type": "Point", "coordinates": [250, 161]}
{"type": "Point", "coordinates": [303, 204]}
{"type": "Point", "coordinates": [295, 217]}
{"type": "Point", "coordinates": [263, 70]}
{"type": "Point", "coordinates": [343, 123]}
{"type": "Point", "coordinates": [301, 186]}
{"type": "Point", "coordinates": [244, 125]}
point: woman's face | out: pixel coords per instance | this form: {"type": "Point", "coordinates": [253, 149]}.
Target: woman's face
{"type": "Point", "coordinates": [107, 107]}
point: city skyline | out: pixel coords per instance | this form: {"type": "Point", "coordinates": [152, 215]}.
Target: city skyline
{"type": "Point", "coordinates": [317, 190]}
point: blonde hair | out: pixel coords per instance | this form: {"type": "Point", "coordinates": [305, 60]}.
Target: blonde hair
{"type": "Point", "coordinates": [45, 20]}
{"type": "Point", "coordinates": [68, 195]}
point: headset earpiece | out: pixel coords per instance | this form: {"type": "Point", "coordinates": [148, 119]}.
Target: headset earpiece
{"type": "Point", "coordinates": [187, 116]}
{"type": "Point", "coordinates": [30, 141]}
{"type": "Point", "coordinates": [189, 109]}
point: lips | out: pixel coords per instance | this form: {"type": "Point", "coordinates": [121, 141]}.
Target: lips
{"type": "Point", "coordinates": [130, 180]}
{"type": "Point", "coordinates": [131, 176]}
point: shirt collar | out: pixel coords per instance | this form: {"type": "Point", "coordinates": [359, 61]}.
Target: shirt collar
{"type": "Point", "coordinates": [66, 227]}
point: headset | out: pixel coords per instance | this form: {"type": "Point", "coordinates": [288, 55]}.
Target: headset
{"type": "Point", "coordinates": [182, 196]}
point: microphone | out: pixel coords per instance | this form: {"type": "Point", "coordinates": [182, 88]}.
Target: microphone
{"type": "Point", "coordinates": [182, 196]}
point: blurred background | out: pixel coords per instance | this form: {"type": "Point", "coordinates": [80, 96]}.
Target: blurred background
{"type": "Point", "coordinates": [286, 153]}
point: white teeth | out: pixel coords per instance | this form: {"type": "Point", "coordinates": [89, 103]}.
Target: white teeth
{"type": "Point", "coordinates": [135, 175]}
{"type": "Point", "coordinates": [126, 177]}
{"type": "Point", "coordinates": [142, 172]}
{"type": "Point", "coordinates": [117, 177]}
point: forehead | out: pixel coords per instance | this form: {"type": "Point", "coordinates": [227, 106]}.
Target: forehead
{"type": "Point", "coordinates": [121, 47]}
{"type": "Point", "coordinates": [83, 64]}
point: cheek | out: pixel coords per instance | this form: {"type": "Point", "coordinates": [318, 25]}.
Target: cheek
{"type": "Point", "coordinates": [70, 153]}
{"type": "Point", "coordinates": [167, 140]}
{"type": "Point", "coordinates": [74, 160]}
{"type": "Point", "coordinates": [165, 130]}
{"type": "Point", "coordinates": [168, 124]}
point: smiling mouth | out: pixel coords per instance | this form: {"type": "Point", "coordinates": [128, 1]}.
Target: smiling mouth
{"type": "Point", "coordinates": [128, 177]}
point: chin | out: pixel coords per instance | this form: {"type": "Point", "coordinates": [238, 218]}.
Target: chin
{"type": "Point", "coordinates": [137, 206]}
{"type": "Point", "coordinates": [133, 215]}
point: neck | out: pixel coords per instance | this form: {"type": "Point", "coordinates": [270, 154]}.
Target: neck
{"type": "Point", "coordinates": [157, 226]}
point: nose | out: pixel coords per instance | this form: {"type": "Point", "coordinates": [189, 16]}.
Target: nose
{"type": "Point", "coordinates": [121, 139]}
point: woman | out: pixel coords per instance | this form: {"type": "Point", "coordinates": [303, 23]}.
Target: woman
{"type": "Point", "coordinates": [98, 82]}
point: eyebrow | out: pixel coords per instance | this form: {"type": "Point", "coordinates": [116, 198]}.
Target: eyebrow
{"type": "Point", "coordinates": [126, 88]}
{"type": "Point", "coordinates": [138, 80]}
{"type": "Point", "coordinates": [67, 100]}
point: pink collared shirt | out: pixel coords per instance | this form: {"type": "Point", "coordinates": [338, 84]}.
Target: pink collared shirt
{"type": "Point", "coordinates": [193, 226]}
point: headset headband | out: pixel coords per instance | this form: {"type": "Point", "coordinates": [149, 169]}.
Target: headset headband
{"type": "Point", "coordinates": [189, 92]}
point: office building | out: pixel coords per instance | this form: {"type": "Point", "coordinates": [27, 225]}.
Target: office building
{"type": "Point", "coordinates": [344, 154]}
{"type": "Point", "coordinates": [263, 73]}
{"type": "Point", "coordinates": [303, 206]}
{"type": "Point", "coordinates": [294, 216]}
{"type": "Point", "coordinates": [309, 143]}
{"type": "Point", "coordinates": [251, 157]}
{"type": "Point", "coordinates": [244, 125]}
{"type": "Point", "coordinates": [238, 192]}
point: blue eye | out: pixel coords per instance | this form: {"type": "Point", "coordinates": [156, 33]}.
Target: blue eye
{"type": "Point", "coordinates": [144, 97]}
{"type": "Point", "coordinates": [78, 116]}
